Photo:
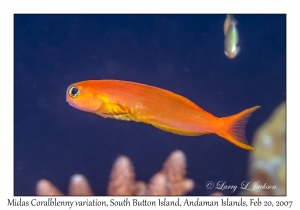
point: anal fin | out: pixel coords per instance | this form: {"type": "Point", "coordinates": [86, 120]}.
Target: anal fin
{"type": "Point", "coordinates": [176, 130]}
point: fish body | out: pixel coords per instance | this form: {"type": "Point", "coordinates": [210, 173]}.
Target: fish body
{"type": "Point", "coordinates": [231, 48]}
{"type": "Point", "coordinates": [124, 100]}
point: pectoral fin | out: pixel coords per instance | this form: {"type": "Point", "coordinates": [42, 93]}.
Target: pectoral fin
{"type": "Point", "coordinates": [176, 130]}
{"type": "Point", "coordinates": [115, 111]}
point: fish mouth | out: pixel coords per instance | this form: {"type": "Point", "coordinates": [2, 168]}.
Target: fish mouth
{"type": "Point", "coordinates": [71, 104]}
{"type": "Point", "coordinates": [80, 108]}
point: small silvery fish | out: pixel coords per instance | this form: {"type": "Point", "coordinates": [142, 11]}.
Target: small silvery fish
{"type": "Point", "coordinates": [231, 41]}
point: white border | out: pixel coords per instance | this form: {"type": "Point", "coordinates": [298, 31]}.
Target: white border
{"type": "Point", "coordinates": [8, 8]}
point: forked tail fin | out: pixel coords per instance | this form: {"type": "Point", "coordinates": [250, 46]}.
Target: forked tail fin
{"type": "Point", "coordinates": [232, 128]}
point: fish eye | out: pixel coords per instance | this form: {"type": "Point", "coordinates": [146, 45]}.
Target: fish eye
{"type": "Point", "coordinates": [73, 92]}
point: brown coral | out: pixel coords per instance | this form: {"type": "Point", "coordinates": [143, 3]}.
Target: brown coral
{"type": "Point", "coordinates": [170, 180]}
{"type": "Point", "coordinates": [174, 170]}
{"type": "Point", "coordinates": [122, 178]}
{"type": "Point", "coordinates": [158, 184]}
{"type": "Point", "coordinates": [78, 186]}
{"type": "Point", "coordinates": [44, 187]}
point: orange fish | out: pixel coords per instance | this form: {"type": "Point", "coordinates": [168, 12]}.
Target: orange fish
{"type": "Point", "coordinates": [124, 100]}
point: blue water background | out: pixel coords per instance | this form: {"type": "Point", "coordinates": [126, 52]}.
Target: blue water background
{"type": "Point", "coordinates": [181, 53]}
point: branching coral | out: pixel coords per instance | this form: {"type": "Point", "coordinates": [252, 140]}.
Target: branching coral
{"type": "Point", "coordinates": [170, 180]}
{"type": "Point", "coordinates": [122, 179]}
{"type": "Point", "coordinates": [174, 181]}
{"type": "Point", "coordinates": [78, 186]}
{"type": "Point", "coordinates": [44, 187]}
